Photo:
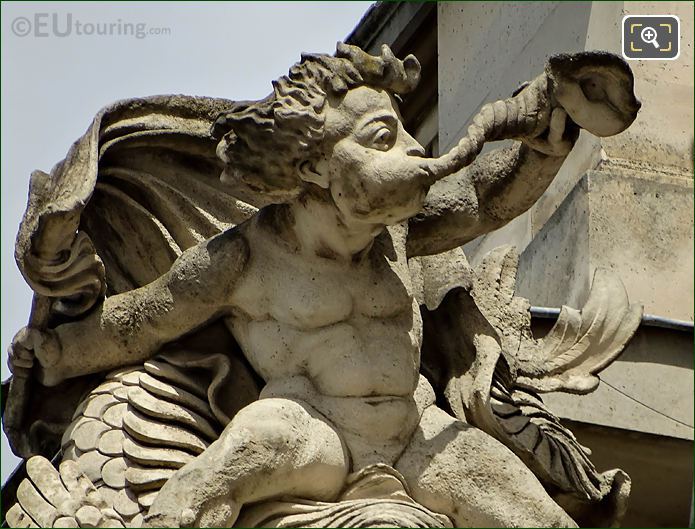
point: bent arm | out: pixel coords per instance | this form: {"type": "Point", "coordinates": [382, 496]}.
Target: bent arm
{"type": "Point", "coordinates": [496, 188]}
{"type": "Point", "coordinates": [128, 328]}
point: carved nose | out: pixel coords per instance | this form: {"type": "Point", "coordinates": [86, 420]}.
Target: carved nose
{"type": "Point", "coordinates": [415, 150]}
{"type": "Point", "coordinates": [412, 147]}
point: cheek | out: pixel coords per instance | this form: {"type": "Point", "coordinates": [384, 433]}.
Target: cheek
{"type": "Point", "coordinates": [351, 196]}
{"type": "Point", "coordinates": [393, 179]}
{"type": "Point", "coordinates": [349, 174]}
{"type": "Point", "coordinates": [367, 183]}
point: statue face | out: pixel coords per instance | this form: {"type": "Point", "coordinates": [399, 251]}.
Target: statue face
{"type": "Point", "coordinates": [374, 167]}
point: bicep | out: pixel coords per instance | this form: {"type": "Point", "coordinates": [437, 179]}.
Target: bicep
{"type": "Point", "coordinates": [472, 202]}
{"type": "Point", "coordinates": [128, 328]}
{"type": "Point", "coordinates": [204, 276]}
{"type": "Point", "coordinates": [196, 288]}
{"type": "Point", "coordinates": [450, 217]}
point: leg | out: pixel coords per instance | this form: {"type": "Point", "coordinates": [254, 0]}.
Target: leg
{"type": "Point", "coordinates": [273, 446]}
{"type": "Point", "coordinates": [458, 470]}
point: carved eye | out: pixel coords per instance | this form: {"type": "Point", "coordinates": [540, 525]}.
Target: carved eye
{"type": "Point", "coordinates": [383, 139]}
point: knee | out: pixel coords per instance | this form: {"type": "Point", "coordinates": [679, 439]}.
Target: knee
{"type": "Point", "coordinates": [288, 430]}
{"type": "Point", "coordinates": [275, 425]}
{"type": "Point", "coordinates": [292, 443]}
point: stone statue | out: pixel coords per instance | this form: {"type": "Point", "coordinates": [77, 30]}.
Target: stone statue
{"type": "Point", "coordinates": [301, 341]}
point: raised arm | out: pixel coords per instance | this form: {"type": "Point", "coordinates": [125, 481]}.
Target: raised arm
{"type": "Point", "coordinates": [129, 328]}
{"type": "Point", "coordinates": [594, 89]}
{"type": "Point", "coordinates": [496, 188]}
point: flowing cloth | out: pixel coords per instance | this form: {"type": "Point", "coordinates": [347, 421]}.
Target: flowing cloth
{"type": "Point", "coordinates": [135, 191]}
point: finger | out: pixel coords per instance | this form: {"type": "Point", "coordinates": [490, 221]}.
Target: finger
{"type": "Point", "coordinates": [20, 359]}
{"type": "Point", "coordinates": [557, 126]}
{"type": "Point", "coordinates": [20, 350]}
{"type": "Point", "coordinates": [35, 505]}
{"type": "Point", "coordinates": [69, 472]}
{"type": "Point", "coordinates": [22, 337]}
{"type": "Point", "coordinates": [20, 373]}
{"type": "Point", "coordinates": [23, 353]}
{"type": "Point", "coordinates": [21, 363]}
{"type": "Point", "coordinates": [47, 480]}
{"type": "Point", "coordinates": [17, 517]}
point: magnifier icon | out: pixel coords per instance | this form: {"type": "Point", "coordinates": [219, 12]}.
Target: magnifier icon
{"type": "Point", "coordinates": [648, 35]}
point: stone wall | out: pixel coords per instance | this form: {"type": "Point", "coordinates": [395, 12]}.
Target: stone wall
{"type": "Point", "coordinates": [624, 203]}
{"type": "Point", "coordinates": [637, 217]}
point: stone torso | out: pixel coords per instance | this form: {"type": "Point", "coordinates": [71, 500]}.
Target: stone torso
{"type": "Point", "coordinates": [352, 328]}
{"type": "Point", "coordinates": [344, 336]}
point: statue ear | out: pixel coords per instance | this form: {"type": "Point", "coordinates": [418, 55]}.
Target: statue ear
{"type": "Point", "coordinates": [311, 171]}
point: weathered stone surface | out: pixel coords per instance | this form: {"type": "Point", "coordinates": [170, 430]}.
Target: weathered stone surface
{"type": "Point", "coordinates": [126, 503]}
{"type": "Point", "coordinates": [301, 269]}
{"type": "Point", "coordinates": [152, 431]}
{"type": "Point", "coordinates": [175, 394]}
{"type": "Point", "coordinates": [143, 401]}
{"type": "Point", "coordinates": [598, 225]}
{"type": "Point", "coordinates": [113, 473]}
{"type": "Point", "coordinates": [87, 435]}
{"type": "Point", "coordinates": [49, 497]}
{"type": "Point", "coordinates": [111, 443]}
{"type": "Point", "coordinates": [152, 456]}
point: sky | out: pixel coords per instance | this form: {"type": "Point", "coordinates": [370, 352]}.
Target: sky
{"type": "Point", "coordinates": [57, 72]}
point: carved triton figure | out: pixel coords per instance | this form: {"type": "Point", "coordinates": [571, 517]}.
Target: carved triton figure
{"type": "Point", "coordinates": [321, 289]}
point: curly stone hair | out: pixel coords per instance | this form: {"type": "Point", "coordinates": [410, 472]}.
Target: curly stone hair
{"type": "Point", "coordinates": [263, 141]}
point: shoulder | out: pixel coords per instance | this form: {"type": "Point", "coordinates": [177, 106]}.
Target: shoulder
{"type": "Point", "coordinates": [229, 248]}
{"type": "Point", "coordinates": [214, 266]}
